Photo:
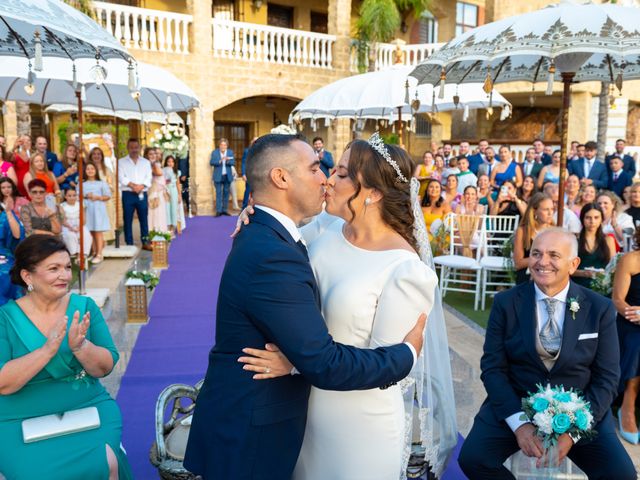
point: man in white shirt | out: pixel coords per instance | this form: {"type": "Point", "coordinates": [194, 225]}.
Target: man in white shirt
{"type": "Point", "coordinates": [134, 177]}
{"type": "Point", "coordinates": [569, 338]}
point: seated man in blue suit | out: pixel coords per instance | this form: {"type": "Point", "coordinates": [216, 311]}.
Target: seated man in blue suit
{"type": "Point", "coordinates": [629, 164]}
{"type": "Point", "coordinates": [589, 170]}
{"type": "Point", "coordinates": [242, 428]}
{"type": "Point", "coordinates": [547, 344]}
{"type": "Point", "coordinates": [326, 159]}
{"type": "Point", "coordinates": [619, 179]}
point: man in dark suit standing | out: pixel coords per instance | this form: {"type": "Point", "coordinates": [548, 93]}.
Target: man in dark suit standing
{"type": "Point", "coordinates": [619, 179]}
{"type": "Point", "coordinates": [326, 159]}
{"type": "Point", "coordinates": [540, 155]}
{"type": "Point", "coordinates": [42, 146]}
{"type": "Point", "coordinates": [530, 168]}
{"type": "Point", "coordinates": [548, 344]}
{"type": "Point", "coordinates": [589, 169]}
{"type": "Point", "coordinates": [183, 166]}
{"type": "Point", "coordinates": [629, 164]}
{"type": "Point", "coordinates": [479, 157]}
{"type": "Point", "coordinates": [247, 429]}
{"type": "Point", "coordinates": [222, 160]}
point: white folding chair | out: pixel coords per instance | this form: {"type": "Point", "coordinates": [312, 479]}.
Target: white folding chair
{"type": "Point", "coordinates": [496, 230]}
{"type": "Point", "coordinates": [455, 267]}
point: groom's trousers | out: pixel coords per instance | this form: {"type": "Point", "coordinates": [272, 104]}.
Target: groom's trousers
{"type": "Point", "coordinates": [489, 444]}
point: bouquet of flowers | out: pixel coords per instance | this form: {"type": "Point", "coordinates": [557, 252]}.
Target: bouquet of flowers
{"type": "Point", "coordinates": [554, 411]}
{"type": "Point", "coordinates": [171, 139]}
{"type": "Point", "coordinates": [150, 279]}
{"type": "Point", "coordinates": [603, 280]}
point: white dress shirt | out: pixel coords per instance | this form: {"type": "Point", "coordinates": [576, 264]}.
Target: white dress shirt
{"type": "Point", "coordinates": [138, 172]}
{"type": "Point", "coordinates": [223, 159]}
{"type": "Point", "coordinates": [588, 165]}
{"type": "Point", "coordinates": [514, 420]}
{"type": "Point", "coordinates": [570, 221]}
{"type": "Point", "coordinates": [291, 227]}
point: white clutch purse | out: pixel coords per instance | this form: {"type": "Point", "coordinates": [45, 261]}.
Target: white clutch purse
{"type": "Point", "coordinates": [49, 426]}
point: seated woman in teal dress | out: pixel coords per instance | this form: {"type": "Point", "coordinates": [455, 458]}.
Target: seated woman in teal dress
{"type": "Point", "coordinates": [53, 348]}
{"type": "Point", "coordinates": [11, 232]}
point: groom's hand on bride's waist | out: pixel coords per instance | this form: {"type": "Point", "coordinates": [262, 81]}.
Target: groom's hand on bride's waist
{"type": "Point", "coordinates": [415, 337]}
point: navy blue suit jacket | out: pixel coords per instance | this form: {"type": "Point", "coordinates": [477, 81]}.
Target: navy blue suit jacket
{"type": "Point", "coordinates": [545, 159]}
{"type": "Point", "coordinates": [511, 366]}
{"type": "Point", "coordinates": [474, 162]}
{"type": "Point", "coordinates": [248, 429]}
{"type": "Point", "coordinates": [216, 163]}
{"type": "Point", "coordinates": [624, 180]}
{"type": "Point", "coordinates": [628, 163]}
{"type": "Point", "coordinates": [326, 163]}
{"type": "Point", "coordinates": [598, 172]}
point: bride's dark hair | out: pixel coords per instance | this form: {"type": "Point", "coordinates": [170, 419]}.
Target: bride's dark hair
{"type": "Point", "coordinates": [369, 169]}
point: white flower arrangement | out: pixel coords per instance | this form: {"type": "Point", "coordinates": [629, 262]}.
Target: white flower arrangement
{"type": "Point", "coordinates": [172, 140]}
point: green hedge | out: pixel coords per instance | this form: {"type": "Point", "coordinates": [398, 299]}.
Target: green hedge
{"type": "Point", "coordinates": [66, 129]}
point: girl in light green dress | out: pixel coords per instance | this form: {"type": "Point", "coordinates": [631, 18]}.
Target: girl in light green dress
{"type": "Point", "coordinates": [63, 384]}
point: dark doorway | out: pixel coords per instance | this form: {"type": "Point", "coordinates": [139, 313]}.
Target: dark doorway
{"type": "Point", "coordinates": [279, 16]}
{"type": "Point", "coordinates": [319, 22]}
{"type": "Point", "coordinates": [238, 136]}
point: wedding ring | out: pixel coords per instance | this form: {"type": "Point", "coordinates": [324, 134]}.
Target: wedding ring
{"type": "Point", "coordinates": [637, 312]}
{"type": "Point", "coordinates": [267, 370]}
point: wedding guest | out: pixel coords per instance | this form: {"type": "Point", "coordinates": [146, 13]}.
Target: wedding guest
{"type": "Point", "coordinates": [618, 178]}
{"type": "Point", "coordinates": [626, 196]}
{"type": "Point", "coordinates": [595, 249]}
{"type": "Point", "coordinates": [434, 206]}
{"type": "Point", "coordinates": [628, 163]}
{"type": "Point", "coordinates": [450, 169]}
{"type": "Point", "coordinates": [56, 347]}
{"type": "Point", "coordinates": [586, 196]}
{"type": "Point", "coordinates": [530, 167]}
{"type": "Point", "coordinates": [11, 234]}
{"type": "Point", "coordinates": [479, 157]}
{"type": "Point", "coordinates": [108, 175]}
{"type": "Point", "coordinates": [615, 222]}
{"type": "Point", "coordinates": [447, 153]}
{"type": "Point", "coordinates": [326, 159]}
{"type": "Point", "coordinates": [537, 217]}
{"type": "Point", "coordinates": [571, 192]}
{"type": "Point", "coordinates": [71, 224]}
{"type": "Point", "coordinates": [551, 172]}
{"type": "Point", "coordinates": [506, 169]}
{"type": "Point", "coordinates": [158, 199]}
{"type": "Point", "coordinates": [540, 155]}
{"type": "Point", "coordinates": [9, 195]}
{"type": "Point", "coordinates": [487, 167]}
{"type": "Point", "coordinates": [42, 146]}
{"type": "Point", "coordinates": [506, 201]}
{"type": "Point", "coordinates": [465, 178]}
{"type": "Point", "coordinates": [424, 170]}
{"type": "Point", "coordinates": [222, 160]}
{"type": "Point", "coordinates": [463, 150]}
{"type": "Point", "coordinates": [96, 193]}
{"type": "Point", "coordinates": [6, 165]}
{"type": "Point", "coordinates": [570, 220]}
{"type": "Point", "coordinates": [135, 179]}
{"type": "Point", "coordinates": [66, 170]}
{"type": "Point", "coordinates": [634, 203]}
{"type": "Point", "coordinates": [36, 216]}
{"type": "Point", "coordinates": [438, 167]}
{"type": "Point", "coordinates": [626, 298]}
{"type": "Point", "coordinates": [175, 212]}
{"type": "Point", "coordinates": [21, 164]}
{"type": "Point", "coordinates": [589, 169]}
{"type": "Point", "coordinates": [469, 205]}
{"type": "Point", "coordinates": [573, 151]}
{"type": "Point", "coordinates": [451, 194]}
{"type": "Point", "coordinates": [484, 191]}
{"type": "Point", "coordinates": [183, 167]}
{"type": "Point", "coordinates": [527, 189]}
{"type": "Point", "coordinates": [39, 170]}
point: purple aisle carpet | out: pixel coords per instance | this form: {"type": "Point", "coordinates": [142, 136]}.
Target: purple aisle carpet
{"type": "Point", "coordinates": [174, 346]}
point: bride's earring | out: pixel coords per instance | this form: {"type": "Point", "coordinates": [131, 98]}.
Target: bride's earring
{"type": "Point", "coordinates": [367, 201]}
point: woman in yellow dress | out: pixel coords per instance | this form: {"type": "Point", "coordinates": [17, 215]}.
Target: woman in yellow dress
{"type": "Point", "coordinates": [434, 207]}
{"type": "Point", "coordinates": [423, 171]}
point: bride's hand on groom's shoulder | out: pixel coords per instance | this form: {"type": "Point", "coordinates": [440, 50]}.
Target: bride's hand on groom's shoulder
{"type": "Point", "coordinates": [416, 335]}
{"type": "Point", "coordinates": [269, 363]}
{"type": "Point", "coordinates": [243, 219]}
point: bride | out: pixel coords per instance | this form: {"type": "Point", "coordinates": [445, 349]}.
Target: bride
{"type": "Point", "coordinates": [372, 262]}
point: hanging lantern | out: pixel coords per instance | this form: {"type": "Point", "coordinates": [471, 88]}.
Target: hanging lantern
{"type": "Point", "coordinates": [618, 82]}
{"type": "Point", "coordinates": [407, 100]}
{"type": "Point", "coordinates": [131, 77]}
{"type": "Point", "coordinates": [136, 294]}
{"type": "Point", "coordinates": [415, 104]}
{"type": "Point", "coordinates": [487, 86]}
{"type": "Point", "coordinates": [46, 119]}
{"type": "Point", "coordinates": [30, 88]}
{"type": "Point", "coordinates": [160, 253]}
{"type": "Point", "coordinates": [37, 62]}
{"type": "Point", "coordinates": [551, 78]}
{"type": "Point", "coordinates": [456, 100]}
{"type": "Point", "coordinates": [443, 79]}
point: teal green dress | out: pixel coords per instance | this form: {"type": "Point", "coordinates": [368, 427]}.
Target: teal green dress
{"type": "Point", "coordinates": [587, 260]}
{"type": "Point", "coordinates": [61, 386]}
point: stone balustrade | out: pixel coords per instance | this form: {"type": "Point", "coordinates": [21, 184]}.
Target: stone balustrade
{"type": "Point", "coordinates": [144, 28]}
{"type": "Point", "coordinates": [264, 43]}
{"type": "Point", "coordinates": [412, 54]}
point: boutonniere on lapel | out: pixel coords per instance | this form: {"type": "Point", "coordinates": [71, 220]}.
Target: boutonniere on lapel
{"type": "Point", "coordinates": [574, 306]}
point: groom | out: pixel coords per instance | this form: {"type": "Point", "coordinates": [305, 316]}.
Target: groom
{"type": "Point", "coordinates": [248, 429]}
{"type": "Point", "coordinates": [551, 343]}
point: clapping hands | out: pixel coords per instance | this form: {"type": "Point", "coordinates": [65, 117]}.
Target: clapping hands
{"type": "Point", "coordinates": [78, 331]}
{"type": "Point", "coordinates": [55, 337]}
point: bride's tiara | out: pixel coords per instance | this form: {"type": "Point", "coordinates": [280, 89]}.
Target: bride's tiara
{"type": "Point", "coordinates": [378, 145]}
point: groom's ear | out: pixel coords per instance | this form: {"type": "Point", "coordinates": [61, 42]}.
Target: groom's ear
{"type": "Point", "coordinates": [280, 178]}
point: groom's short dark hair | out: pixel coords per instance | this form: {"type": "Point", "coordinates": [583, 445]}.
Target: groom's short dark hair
{"type": "Point", "coordinates": [263, 156]}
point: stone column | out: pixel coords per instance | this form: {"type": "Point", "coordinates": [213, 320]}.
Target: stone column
{"type": "Point", "coordinates": [10, 124]}
{"type": "Point", "coordinates": [340, 26]}
{"type": "Point", "coordinates": [201, 129]}
{"type": "Point", "coordinates": [579, 117]}
{"type": "Point", "coordinates": [339, 135]}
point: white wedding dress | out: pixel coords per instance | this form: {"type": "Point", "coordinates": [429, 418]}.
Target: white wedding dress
{"type": "Point", "coordinates": [369, 299]}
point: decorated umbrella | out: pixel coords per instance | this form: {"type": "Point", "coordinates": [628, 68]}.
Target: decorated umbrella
{"type": "Point", "coordinates": [146, 117]}
{"type": "Point", "coordinates": [570, 41]}
{"type": "Point", "coordinates": [388, 94]}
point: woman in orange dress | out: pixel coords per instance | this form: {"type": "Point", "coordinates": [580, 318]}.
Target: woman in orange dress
{"type": "Point", "coordinates": [38, 169]}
